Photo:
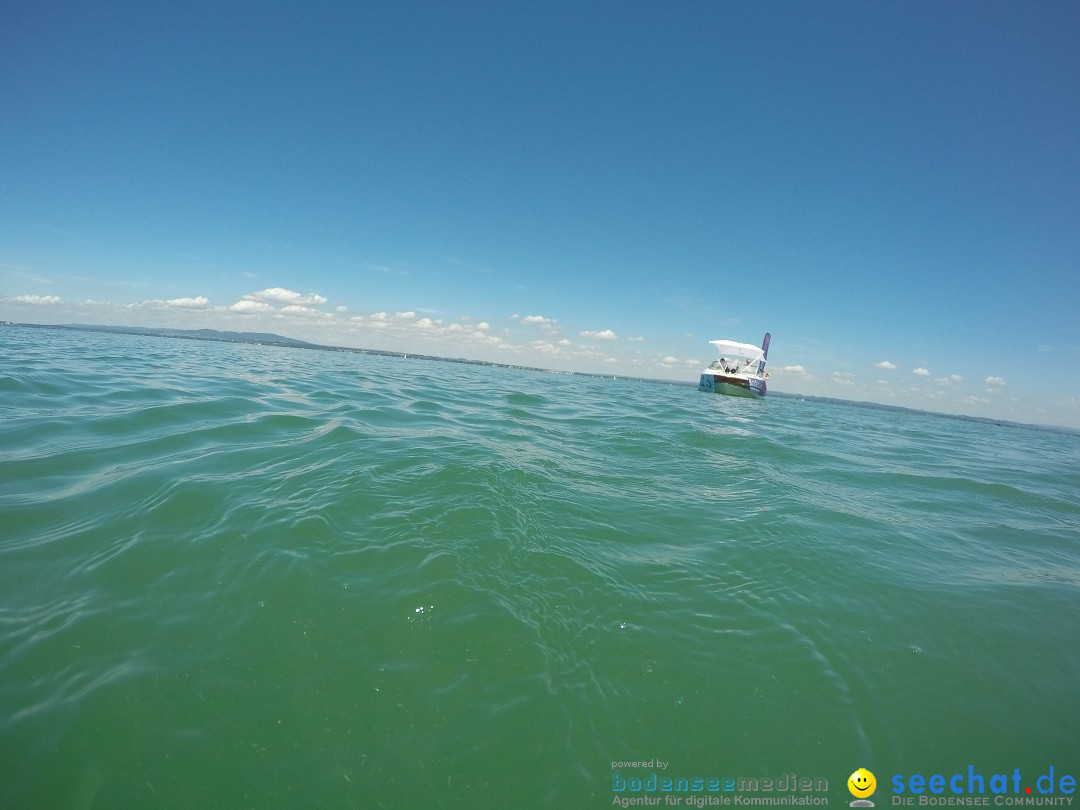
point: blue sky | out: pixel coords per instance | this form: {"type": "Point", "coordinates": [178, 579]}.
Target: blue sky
{"type": "Point", "coordinates": [891, 189]}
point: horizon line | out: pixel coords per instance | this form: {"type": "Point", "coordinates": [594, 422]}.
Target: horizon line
{"type": "Point", "coordinates": [282, 341]}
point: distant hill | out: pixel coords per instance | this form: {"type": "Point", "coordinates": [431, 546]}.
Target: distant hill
{"type": "Point", "coordinates": [193, 334]}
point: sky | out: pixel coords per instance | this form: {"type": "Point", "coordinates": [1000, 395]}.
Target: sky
{"type": "Point", "coordinates": [892, 189]}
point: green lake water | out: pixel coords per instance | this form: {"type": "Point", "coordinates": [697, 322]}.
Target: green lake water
{"type": "Point", "coordinates": [251, 576]}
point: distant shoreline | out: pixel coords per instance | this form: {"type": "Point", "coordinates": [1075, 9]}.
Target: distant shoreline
{"type": "Point", "coordinates": [270, 339]}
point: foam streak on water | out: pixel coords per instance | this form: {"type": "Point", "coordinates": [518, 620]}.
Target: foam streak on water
{"type": "Point", "coordinates": [238, 575]}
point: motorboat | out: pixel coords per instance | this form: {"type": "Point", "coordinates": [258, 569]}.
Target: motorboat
{"type": "Point", "coordinates": [739, 371]}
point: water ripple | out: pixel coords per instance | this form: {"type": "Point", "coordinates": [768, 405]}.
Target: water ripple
{"type": "Point", "coordinates": [345, 574]}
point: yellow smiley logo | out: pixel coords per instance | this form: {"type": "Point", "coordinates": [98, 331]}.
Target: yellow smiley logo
{"type": "Point", "coordinates": [861, 783]}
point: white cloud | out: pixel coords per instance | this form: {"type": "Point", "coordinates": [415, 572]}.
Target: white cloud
{"type": "Point", "coordinates": [539, 320]}
{"type": "Point", "coordinates": [886, 365]}
{"type": "Point", "coordinates": [549, 326]}
{"type": "Point", "coordinates": [282, 296]}
{"type": "Point", "coordinates": [37, 300]}
{"type": "Point", "coordinates": [306, 312]}
{"type": "Point", "coordinates": [201, 301]}
{"type": "Point", "coordinates": [995, 380]}
{"type": "Point", "coordinates": [261, 301]}
{"type": "Point", "coordinates": [604, 334]}
{"type": "Point", "coordinates": [671, 361]}
{"type": "Point", "coordinates": [637, 339]}
{"type": "Point", "coordinates": [922, 372]}
{"type": "Point", "coordinates": [250, 306]}
{"type": "Point", "coordinates": [543, 346]}
{"type": "Point", "coordinates": [466, 326]}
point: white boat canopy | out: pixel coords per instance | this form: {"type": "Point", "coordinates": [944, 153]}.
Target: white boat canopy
{"type": "Point", "coordinates": [730, 347]}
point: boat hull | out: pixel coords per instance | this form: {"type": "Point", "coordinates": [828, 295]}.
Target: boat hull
{"type": "Point", "coordinates": [732, 385]}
